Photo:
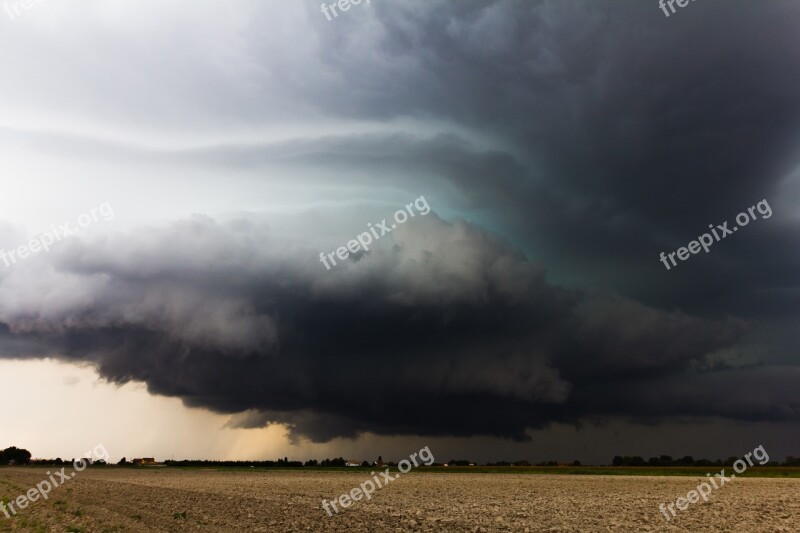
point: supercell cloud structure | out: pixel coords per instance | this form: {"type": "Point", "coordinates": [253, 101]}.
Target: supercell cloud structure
{"type": "Point", "coordinates": [442, 328]}
{"type": "Point", "coordinates": [561, 145]}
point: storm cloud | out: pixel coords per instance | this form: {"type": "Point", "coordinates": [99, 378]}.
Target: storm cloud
{"type": "Point", "coordinates": [429, 333]}
{"type": "Point", "coordinates": [563, 145]}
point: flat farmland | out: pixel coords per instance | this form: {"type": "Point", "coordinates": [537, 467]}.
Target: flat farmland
{"type": "Point", "coordinates": [107, 500]}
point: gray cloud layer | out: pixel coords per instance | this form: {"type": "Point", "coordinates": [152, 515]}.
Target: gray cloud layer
{"type": "Point", "coordinates": [592, 136]}
{"type": "Point", "coordinates": [433, 332]}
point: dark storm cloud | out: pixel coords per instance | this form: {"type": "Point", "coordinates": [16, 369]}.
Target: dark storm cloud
{"type": "Point", "coordinates": [433, 332]}
{"type": "Point", "coordinates": [637, 131]}
{"type": "Point", "coordinates": [613, 134]}
{"type": "Point", "coordinates": [619, 133]}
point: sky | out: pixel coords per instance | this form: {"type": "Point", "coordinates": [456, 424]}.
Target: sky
{"type": "Point", "coordinates": [186, 166]}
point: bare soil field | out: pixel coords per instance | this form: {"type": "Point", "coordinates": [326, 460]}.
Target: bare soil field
{"type": "Point", "coordinates": [110, 500]}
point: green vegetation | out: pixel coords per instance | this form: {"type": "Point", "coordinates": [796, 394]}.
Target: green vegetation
{"type": "Point", "coordinates": [754, 471]}
{"type": "Point", "coordinates": [27, 522]}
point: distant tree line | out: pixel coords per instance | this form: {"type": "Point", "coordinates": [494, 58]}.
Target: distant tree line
{"type": "Point", "coordinates": [282, 463]}
{"type": "Point", "coordinates": [19, 456]}
{"type": "Point", "coordinates": [688, 460]}
{"type": "Point", "coordinates": [506, 463]}
{"type": "Point", "coordinates": [58, 462]}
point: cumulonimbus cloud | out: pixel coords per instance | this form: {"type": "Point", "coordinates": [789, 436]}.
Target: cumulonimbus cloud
{"type": "Point", "coordinates": [442, 329]}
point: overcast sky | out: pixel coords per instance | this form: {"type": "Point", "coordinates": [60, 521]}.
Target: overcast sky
{"type": "Point", "coordinates": [562, 146]}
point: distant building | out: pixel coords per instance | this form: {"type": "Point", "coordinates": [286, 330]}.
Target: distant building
{"type": "Point", "coordinates": [144, 461]}
{"type": "Point", "coordinates": [352, 462]}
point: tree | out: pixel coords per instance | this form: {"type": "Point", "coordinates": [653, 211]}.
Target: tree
{"type": "Point", "coordinates": [14, 455]}
{"type": "Point", "coordinates": [628, 461]}
{"type": "Point", "coordinates": [123, 462]}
